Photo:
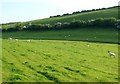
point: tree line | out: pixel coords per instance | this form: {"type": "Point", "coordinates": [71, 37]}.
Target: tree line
{"type": "Point", "coordinates": [83, 11]}
{"type": "Point", "coordinates": [99, 22]}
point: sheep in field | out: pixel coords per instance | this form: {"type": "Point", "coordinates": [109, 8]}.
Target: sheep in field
{"type": "Point", "coordinates": [10, 38]}
{"type": "Point", "coordinates": [111, 54]}
{"type": "Point", "coordinates": [16, 39]}
{"type": "Point", "coordinates": [28, 40]}
{"type": "Point", "coordinates": [88, 45]}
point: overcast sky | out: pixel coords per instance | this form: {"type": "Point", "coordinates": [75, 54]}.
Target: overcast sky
{"type": "Point", "coordinates": [26, 10]}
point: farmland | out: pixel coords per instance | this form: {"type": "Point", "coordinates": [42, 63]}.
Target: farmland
{"type": "Point", "coordinates": [101, 34]}
{"type": "Point", "coordinates": [61, 55]}
{"type": "Point", "coordinates": [106, 13]}
{"type": "Point", "coordinates": [58, 61]}
{"type": "Point", "coordinates": [66, 59]}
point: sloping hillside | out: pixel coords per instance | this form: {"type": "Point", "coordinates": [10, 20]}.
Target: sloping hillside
{"type": "Point", "coordinates": [61, 55]}
{"type": "Point", "coordinates": [107, 13]}
{"type": "Point", "coordinates": [95, 34]}
{"type": "Point", "coordinates": [58, 61]}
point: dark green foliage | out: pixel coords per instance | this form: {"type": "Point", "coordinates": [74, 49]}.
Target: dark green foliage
{"type": "Point", "coordinates": [18, 26]}
{"type": "Point", "coordinates": [65, 14]}
{"type": "Point", "coordinates": [75, 23]}
{"type": "Point", "coordinates": [55, 16]}
{"type": "Point", "coordinates": [39, 27]}
{"type": "Point", "coordinates": [66, 25]}
{"type": "Point", "coordinates": [78, 23]}
{"type": "Point", "coordinates": [99, 22]}
{"type": "Point", "coordinates": [105, 22]}
{"type": "Point", "coordinates": [76, 12]}
{"type": "Point", "coordinates": [117, 24]}
{"type": "Point", "coordinates": [10, 29]}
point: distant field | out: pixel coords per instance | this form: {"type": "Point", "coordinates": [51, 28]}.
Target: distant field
{"type": "Point", "coordinates": [107, 13]}
{"type": "Point", "coordinates": [85, 34]}
{"type": "Point", "coordinates": [58, 61]}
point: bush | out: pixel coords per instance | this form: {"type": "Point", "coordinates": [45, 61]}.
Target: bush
{"type": "Point", "coordinates": [66, 25]}
{"type": "Point", "coordinates": [18, 26]}
{"type": "Point", "coordinates": [100, 22]}
{"type": "Point", "coordinates": [78, 23]}
{"type": "Point", "coordinates": [110, 22]}
{"type": "Point", "coordinates": [39, 27]}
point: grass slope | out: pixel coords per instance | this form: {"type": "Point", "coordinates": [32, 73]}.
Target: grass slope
{"type": "Point", "coordinates": [58, 61]}
{"type": "Point", "coordinates": [84, 34]}
{"type": "Point", "coordinates": [107, 13]}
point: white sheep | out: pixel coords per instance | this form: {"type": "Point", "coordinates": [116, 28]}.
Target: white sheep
{"type": "Point", "coordinates": [88, 45]}
{"type": "Point", "coordinates": [16, 39]}
{"type": "Point", "coordinates": [28, 40]}
{"type": "Point", "coordinates": [24, 27]}
{"type": "Point", "coordinates": [111, 54]}
{"type": "Point", "coordinates": [10, 38]}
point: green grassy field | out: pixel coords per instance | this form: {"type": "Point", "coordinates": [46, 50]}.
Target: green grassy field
{"type": "Point", "coordinates": [58, 61]}
{"type": "Point", "coordinates": [68, 55]}
{"type": "Point", "coordinates": [84, 34]}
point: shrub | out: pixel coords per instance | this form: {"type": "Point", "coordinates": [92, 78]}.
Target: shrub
{"type": "Point", "coordinates": [18, 26]}
{"type": "Point", "coordinates": [78, 23]}
{"type": "Point", "coordinates": [65, 14]}
{"type": "Point", "coordinates": [66, 25]}
{"type": "Point", "coordinates": [39, 27]}
{"type": "Point", "coordinates": [110, 22]}
{"type": "Point", "coordinates": [99, 22]}
{"type": "Point", "coordinates": [58, 25]}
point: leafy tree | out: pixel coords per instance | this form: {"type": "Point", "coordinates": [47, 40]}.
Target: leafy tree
{"type": "Point", "coordinates": [18, 26]}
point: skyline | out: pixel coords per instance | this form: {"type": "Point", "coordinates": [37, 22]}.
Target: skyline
{"type": "Point", "coordinates": [20, 10]}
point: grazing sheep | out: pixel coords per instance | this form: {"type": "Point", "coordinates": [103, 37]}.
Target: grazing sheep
{"type": "Point", "coordinates": [10, 38]}
{"type": "Point", "coordinates": [69, 35]}
{"type": "Point", "coordinates": [111, 54]}
{"type": "Point", "coordinates": [16, 39]}
{"type": "Point", "coordinates": [88, 45]}
{"type": "Point", "coordinates": [24, 27]}
{"type": "Point", "coordinates": [28, 40]}
{"type": "Point", "coordinates": [58, 25]}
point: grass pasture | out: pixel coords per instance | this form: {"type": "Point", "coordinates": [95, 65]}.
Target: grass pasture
{"type": "Point", "coordinates": [95, 34]}
{"type": "Point", "coordinates": [107, 13]}
{"type": "Point", "coordinates": [58, 61]}
{"type": "Point", "coordinates": [66, 55]}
